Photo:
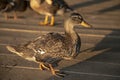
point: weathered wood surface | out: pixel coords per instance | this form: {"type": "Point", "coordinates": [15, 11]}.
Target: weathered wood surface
{"type": "Point", "coordinates": [100, 50]}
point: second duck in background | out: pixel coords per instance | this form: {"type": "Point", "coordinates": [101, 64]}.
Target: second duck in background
{"type": "Point", "coordinates": [49, 8]}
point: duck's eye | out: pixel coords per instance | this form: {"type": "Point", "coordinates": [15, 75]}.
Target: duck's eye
{"type": "Point", "coordinates": [77, 18]}
{"type": "Point", "coordinates": [80, 17]}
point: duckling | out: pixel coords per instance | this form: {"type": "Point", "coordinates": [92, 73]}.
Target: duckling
{"type": "Point", "coordinates": [50, 8]}
{"type": "Point", "coordinates": [13, 5]}
{"type": "Point", "coordinates": [53, 47]}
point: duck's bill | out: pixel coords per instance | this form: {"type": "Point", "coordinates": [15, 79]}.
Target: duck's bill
{"type": "Point", "coordinates": [85, 24]}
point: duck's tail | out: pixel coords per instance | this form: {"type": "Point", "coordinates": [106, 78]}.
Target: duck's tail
{"type": "Point", "coordinates": [11, 48]}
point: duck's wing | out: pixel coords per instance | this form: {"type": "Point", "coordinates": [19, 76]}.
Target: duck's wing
{"type": "Point", "coordinates": [46, 48]}
{"type": "Point", "coordinates": [50, 46]}
{"type": "Point", "coordinates": [48, 42]}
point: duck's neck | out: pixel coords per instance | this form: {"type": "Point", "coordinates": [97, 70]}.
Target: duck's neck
{"type": "Point", "coordinates": [34, 3]}
{"type": "Point", "coordinates": [69, 31]}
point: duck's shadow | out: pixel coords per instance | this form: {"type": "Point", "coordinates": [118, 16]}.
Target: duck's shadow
{"type": "Point", "coordinates": [105, 51]}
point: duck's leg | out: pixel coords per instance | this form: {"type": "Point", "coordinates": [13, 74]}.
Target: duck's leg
{"type": "Point", "coordinates": [15, 15]}
{"type": "Point", "coordinates": [56, 72]}
{"type": "Point", "coordinates": [6, 16]}
{"type": "Point", "coordinates": [52, 21]}
{"type": "Point", "coordinates": [45, 21]}
{"type": "Point", "coordinates": [42, 66]}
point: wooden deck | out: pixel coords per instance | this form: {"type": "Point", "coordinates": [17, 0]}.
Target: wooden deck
{"type": "Point", "coordinates": [100, 51]}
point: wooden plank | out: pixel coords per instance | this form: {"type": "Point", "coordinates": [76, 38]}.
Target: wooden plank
{"type": "Point", "coordinates": [98, 68]}
{"type": "Point", "coordinates": [85, 76]}
{"type": "Point", "coordinates": [23, 74]}
{"type": "Point", "coordinates": [100, 46]}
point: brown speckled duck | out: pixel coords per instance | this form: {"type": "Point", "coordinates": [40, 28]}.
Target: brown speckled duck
{"type": "Point", "coordinates": [13, 5]}
{"type": "Point", "coordinates": [49, 8]}
{"type": "Point", "coordinates": [53, 47]}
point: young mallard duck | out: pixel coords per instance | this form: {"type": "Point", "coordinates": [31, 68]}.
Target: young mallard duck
{"type": "Point", "coordinates": [49, 8]}
{"type": "Point", "coordinates": [13, 5]}
{"type": "Point", "coordinates": [53, 47]}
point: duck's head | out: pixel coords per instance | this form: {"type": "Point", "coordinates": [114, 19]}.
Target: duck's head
{"type": "Point", "coordinates": [77, 19]}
